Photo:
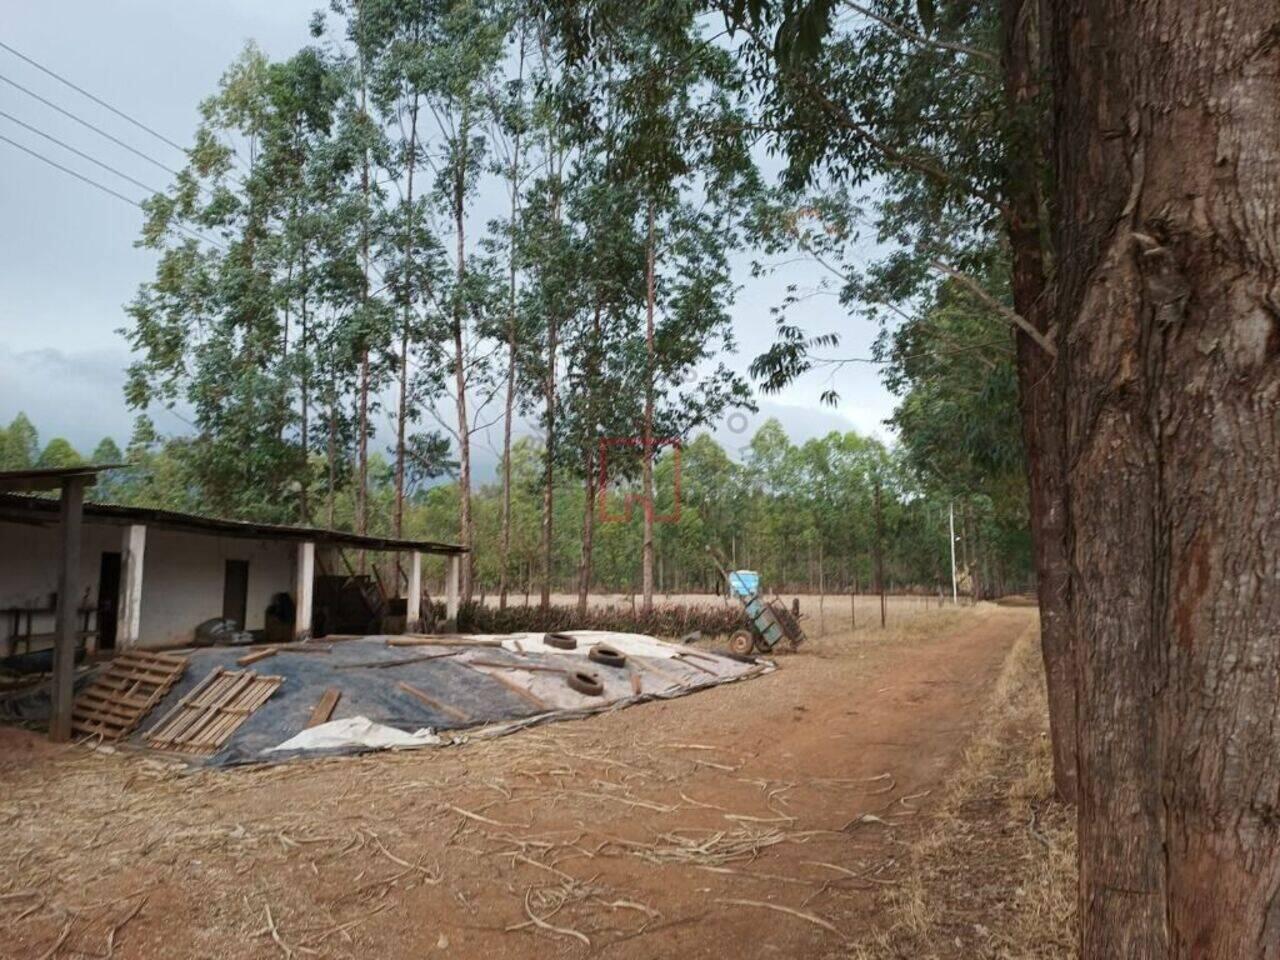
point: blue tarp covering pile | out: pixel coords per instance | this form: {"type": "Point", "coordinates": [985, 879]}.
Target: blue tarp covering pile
{"type": "Point", "coordinates": [368, 672]}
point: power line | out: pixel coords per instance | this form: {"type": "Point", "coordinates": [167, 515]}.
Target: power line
{"type": "Point", "coordinates": [86, 123]}
{"type": "Point", "coordinates": [79, 153]}
{"type": "Point", "coordinates": [98, 100]}
{"type": "Point", "coordinates": [104, 188]}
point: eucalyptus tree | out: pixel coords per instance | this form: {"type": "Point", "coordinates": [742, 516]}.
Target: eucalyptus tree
{"type": "Point", "coordinates": [680, 99]}
{"type": "Point", "coordinates": [397, 38]}
{"type": "Point", "coordinates": [209, 330]}
{"type": "Point", "coordinates": [463, 46]}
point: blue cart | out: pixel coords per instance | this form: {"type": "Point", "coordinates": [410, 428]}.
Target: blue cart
{"type": "Point", "coordinates": [769, 622]}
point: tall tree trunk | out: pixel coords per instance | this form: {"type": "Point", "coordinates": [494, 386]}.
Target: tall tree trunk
{"type": "Point", "coordinates": [508, 415]}
{"type": "Point", "coordinates": [647, 439]}
{"type": "Point", "coordinates": [465, 523]}
{"type": "Point", "coordinates": [406, 325]}
{"type": "Point", "coordinates": [331, 491]}
{"type": "Point", "coordinates": [588, 530]}
{"type": "Point", "coordinates": [1039, 378]}
{"type": "Point", "coordinates": [548, 481]}
{"type": "Point", "coordinates": [362, 438]}
{"type": "Point", "coordinates": [549, 389]}
{"type": "Point", "coordinates": [304, 357]}
{"type": "Point", "coordinates": [591, 481]}
{"type": "Point", "coordinates": [1168, 313]}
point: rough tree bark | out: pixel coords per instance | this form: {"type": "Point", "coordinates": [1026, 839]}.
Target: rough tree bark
{"type": "Point", "coordinates": [1168, 310]}
{"type": "Point", "coordinates": [466, 525]}
{"type": "Point", "coordinates": [508, 415]}
{"type": "Point", "coordinates": [647, 439]}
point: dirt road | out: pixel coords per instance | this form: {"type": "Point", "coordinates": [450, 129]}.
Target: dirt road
{"type": "Point", "coordinates": [752, 820]}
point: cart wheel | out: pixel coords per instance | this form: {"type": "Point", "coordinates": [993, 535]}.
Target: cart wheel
{"type": "Point", "coordinates": [762, 647]}
{"type": "Point", "coordinates": [741, 642]}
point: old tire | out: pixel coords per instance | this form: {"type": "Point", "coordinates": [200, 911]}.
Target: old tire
{"type": "Point", "coordinates": [605, 655]}
{"type": "Point", "coordinates": [741, 642]}
{"type": "Point", "coordinates": [585, 683]}
{"type": "Point", "coordinates": [561, 641]}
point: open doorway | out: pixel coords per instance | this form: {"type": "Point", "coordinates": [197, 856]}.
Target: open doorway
{"type": "Point", "coordinates": [235, 592]}
{"type": "Point", "coordinates": [108, 599]}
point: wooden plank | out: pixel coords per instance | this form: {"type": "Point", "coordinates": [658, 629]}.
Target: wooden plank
{"type": "Point", "coordinates": [257, 655]}
{"type": "Point", "coordinates": [536, 667]}
{"type": "Point", "coordinates": [433, 703]}
{"type": "Point", "coordinates": [650, 666]}
{"type": "Point", "coordinates": [420, 640]}
{"type": "Point", "coordinates": [323, 709]}
{"type": "Point", "coordinates": [696, 666]}
{"type": "Point", "coordinates": [518, 690]}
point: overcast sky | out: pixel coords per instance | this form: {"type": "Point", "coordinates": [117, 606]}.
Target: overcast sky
{"type": "Point", "coordinates": [67, 260]}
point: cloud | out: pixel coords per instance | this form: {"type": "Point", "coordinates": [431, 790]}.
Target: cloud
{"type": "Point", "coordinates": [73, 394]}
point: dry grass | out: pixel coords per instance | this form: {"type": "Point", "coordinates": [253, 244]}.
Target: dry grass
{"type": "Point", "coordinates": [994, 873]}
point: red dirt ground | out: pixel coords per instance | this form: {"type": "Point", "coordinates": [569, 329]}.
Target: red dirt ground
{"type": "Point", "coordinates": [627, 835]}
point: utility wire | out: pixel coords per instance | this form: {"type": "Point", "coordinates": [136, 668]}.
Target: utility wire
{"type": "Point", "coordinates": [98, 100]}
{"type": "Point", "coordinates": [104, 189]}
{"type": "Point", "coordinates": [79, 153]}
{"type": "Point", "coordinates": [86, 123]}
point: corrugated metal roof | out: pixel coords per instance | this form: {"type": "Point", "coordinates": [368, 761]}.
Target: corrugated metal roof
{"type": "Point", "coordinates": [33, 508]}
{"type": "Point", "coordinates": [51, 478]}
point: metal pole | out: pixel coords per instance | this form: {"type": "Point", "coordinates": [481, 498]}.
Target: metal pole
{"type": "Point", "coordinates": [951, 525]}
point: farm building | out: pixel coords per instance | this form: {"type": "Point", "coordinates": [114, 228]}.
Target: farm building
{"type": "Point", "coordinates": [147, 578]}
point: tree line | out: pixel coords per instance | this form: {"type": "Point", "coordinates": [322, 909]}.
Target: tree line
{"type": "Point", "coordinates": [836, 514]}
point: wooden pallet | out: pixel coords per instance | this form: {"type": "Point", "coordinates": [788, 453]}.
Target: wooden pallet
{"type": "Point", "coordinates": [203, 720]}
{"type": "Point", "coordinates": [116, 700]}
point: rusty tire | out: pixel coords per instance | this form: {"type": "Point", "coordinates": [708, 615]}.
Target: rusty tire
{"type": "Point", "coordinates": [561, 641]}
{"type": "Point", "coordinates": [741, 642]}
{"type": "Point", "coordinates": [607, 656]}
{"type": "Point", "coordinates": [585, 683]}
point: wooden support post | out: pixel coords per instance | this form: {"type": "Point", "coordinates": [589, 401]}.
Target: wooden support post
{"type": "Point", "coordinates": [132, 552]}
{"type": "Point", "coordinates": [413, 605]}
{"type": "Point", "coordinates": [453, 579]}
{"type": "Point", "coordinates": [64, 644]}
{"type": "Point", "coordinates": [306, 591]}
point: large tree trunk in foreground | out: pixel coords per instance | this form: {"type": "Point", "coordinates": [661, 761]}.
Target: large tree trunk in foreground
{"type": "Point", "coordinates": [1168, 305]}
{"type": "Point", "coordinates": [1039, 380]}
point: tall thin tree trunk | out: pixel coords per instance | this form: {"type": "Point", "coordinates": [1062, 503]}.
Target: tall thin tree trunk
{"type": "Point", "coordinates": [508, 415]}
{"type": "Point", "coordinates": [402, 411]}
{"type": "Point", "coordinates": [647, 440]}
{"type": "Point", "coordinates": [548, 482]}
{"type": "Point", "coordinates": [588, 530]}
{"type": "Point", "coordinates": [331, 492]}
{"type": "Point", "coordinates": [362, 438]}
{"type": "Point", "coordinates": [465, 522]}
{"type": "Point", "coordinates": [1039, 379]}
{"type": "Point", "coordinates": [1168, 319]}
{"type": "Point", "coordinates": [304, 358]}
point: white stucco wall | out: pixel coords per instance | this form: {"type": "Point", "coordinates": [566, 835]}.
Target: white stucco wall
{"type": "Point", "coordinates": [29, 568]}
{"type": "Point", "coordinates": [184, 574]}
{"type": "Point", "coordinates": [182, 581]}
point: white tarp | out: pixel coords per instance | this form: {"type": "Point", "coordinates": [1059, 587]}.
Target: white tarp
{"type": "Point", "coordinates": [632, 644]}
{"type": "Point", "coordinates": [356, 732]}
